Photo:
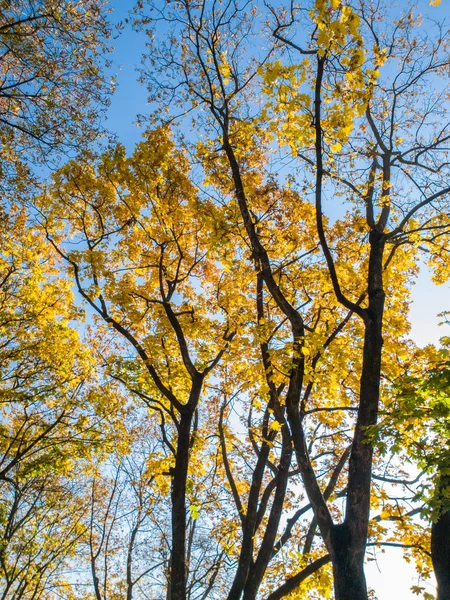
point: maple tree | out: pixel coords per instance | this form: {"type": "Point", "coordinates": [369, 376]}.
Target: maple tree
{"type": "Point", "coordinates": [41, 525]}
{"type": "Point", "coordinates": [159, 266]}
{"type": "Point", "coordinates": [54, 414]}
{"type": "Point", "coordinates": [135, 262]}
{"type": "Point", "coordinates": [123, 549]}
{"type": "Point", "coordinates": [417, 428]}
{"type": "Point", "coordinates": [358, 134]}
{"type": "Point", "coordinates": [52, 80]}
{"type": "Point", "coordinates": [128, 550]}
{"type": "Point", "coordinates": [246, 304]}
{"type": "Point", "coordinates": [53, 54]}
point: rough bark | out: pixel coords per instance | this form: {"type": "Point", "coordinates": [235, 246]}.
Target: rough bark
{"type": "Point", "coordinates": [178, 494]}
{"type": "Point", "coordinates": [348, 568]}
{"type": "Point", "coordinates": [440, 554]}
{"type": "Point", "coordinates": [349, 539]}
{"type": "Point", "coordinates": [440, 544]}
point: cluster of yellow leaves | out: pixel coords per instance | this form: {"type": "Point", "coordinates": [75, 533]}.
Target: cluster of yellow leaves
{"type": "Point", "coordinates": [290, 88]}
{"type": "Point", "coordinates": [143, 236]}
{"type": "Point", "coordinates": [55, 410]}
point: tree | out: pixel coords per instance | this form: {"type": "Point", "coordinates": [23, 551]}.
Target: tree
{"type": "Point", "coordinates": [49, 395]}
{"type": "Point", "coordinates": [256, 330]}
{"type": "Point", "coordinates": [350, 101]}
{"type": "Point", "coordinates": [52, 81]}
{"type": "Point", "coordinates": [160, 265]}
{"type": "Point", "coordinates": [54, 415]}
{"type": "Point", "coordinates": [41, 526]}
{"type": "Point", "coordinates": [134, 234]}
{"type": "Point", "coordinates": [125, 227]}
{"type": "Point", "coordinates": [126, 550]}
{"type": "Point", "coordinates": [417, 426]}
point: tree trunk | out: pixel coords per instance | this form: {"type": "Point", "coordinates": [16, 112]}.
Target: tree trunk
{"type": "Point", "coordinates": [179, 479]}
{"type": "Point", "coordinates": [348, 568]}
{"type": "Point", "coordinates": [258, 568]}
{"type": "Point", "coordinates": [349, 581]}
{"type": "Point", "coordinates": [440, 543]}
{"type": "Point", "coordinates": [350, 538]}
{"type": "Point", "coordinates": [247, 545]}
{"type": "Point", "coordinates": [440, 554]}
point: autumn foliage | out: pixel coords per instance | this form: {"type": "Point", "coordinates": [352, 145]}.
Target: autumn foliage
{"type": "Point", "coordinates": [208, 385]}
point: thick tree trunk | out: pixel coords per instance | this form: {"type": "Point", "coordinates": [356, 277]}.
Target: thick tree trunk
{"type": "Point", "coordinates": [440, 543]}
{"type": "Point", "coordinates": [350, 538]}
{"type": "Point", "coordinates": [348, 568]}
{"type": "Point", "coordinates": [179, 479]}
{"type": "Point", "coordinates": [440, 554]}
{"type": "Point", "coordinates": [349, 581]}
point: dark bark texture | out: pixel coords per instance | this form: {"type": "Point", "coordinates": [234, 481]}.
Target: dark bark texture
{"type": "Point", "coordinates": [179, 479]}
{"type": "Point", "coordinates": [440, 541]}
{"type": "Point", "coordinates": [440, 554]}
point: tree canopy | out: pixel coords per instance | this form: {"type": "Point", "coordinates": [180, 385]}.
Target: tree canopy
{"type": "Point", "coordinates": [209, 389]}
{"type": "Point", "coordinates": [53, 55]}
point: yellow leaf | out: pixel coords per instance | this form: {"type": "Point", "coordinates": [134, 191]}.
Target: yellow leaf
{"type": "Point", "coordinates": [336, 147]}
{"type": "Point", "coordinates": [276, 426]}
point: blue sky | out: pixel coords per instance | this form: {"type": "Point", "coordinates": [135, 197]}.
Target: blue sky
{"type": "Point", "coordinates": [130, 97]}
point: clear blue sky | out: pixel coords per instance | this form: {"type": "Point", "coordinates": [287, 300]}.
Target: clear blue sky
{"type": "Point", "coordinates": [130, 97]}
